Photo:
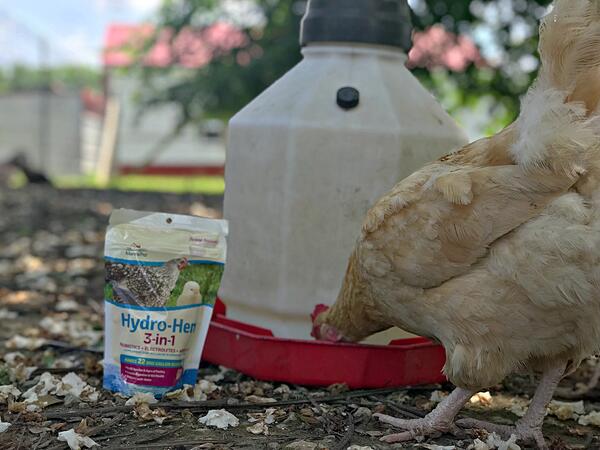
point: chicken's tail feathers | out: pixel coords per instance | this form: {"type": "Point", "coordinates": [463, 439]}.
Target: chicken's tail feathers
{"type": "Point", "coordinates": [559, 122]}
{"type": "Point", "coordinates": [569, 49]}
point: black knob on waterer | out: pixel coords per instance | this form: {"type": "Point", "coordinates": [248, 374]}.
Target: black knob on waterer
{"type": "Point", "coordinates": [348, 97]}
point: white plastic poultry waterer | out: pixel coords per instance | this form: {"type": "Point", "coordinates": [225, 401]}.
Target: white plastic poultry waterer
{"type": "Point", "coordinates": [310, 155]}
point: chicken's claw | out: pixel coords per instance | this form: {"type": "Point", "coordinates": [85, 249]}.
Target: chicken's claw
{"type": "Point", "coordinates": [434, 424]}
{"type": "Point", "coordinates": [529, 427]}
{"type": "Point", "coordinates": [403, 424]}
{"type": "Point", "coordinates": [415, 428]}
{"type": "Point", "coordinates": [399, 437]}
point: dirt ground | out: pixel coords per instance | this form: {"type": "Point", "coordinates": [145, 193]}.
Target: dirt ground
{"type": "Point", "coordinates": [51, 277]}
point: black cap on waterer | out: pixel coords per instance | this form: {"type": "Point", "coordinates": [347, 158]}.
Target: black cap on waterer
{"type": "Point", "coordinates": [382, 22]}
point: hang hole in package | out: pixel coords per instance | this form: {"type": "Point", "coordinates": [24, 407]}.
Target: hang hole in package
{"type": "Point", "coordinates": [162, 277]}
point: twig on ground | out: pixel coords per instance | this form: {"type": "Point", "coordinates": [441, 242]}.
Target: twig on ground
{"type": "Point", "coordinates": [406, 411]}
{"type": "Point", "coordinates": [184, 443]}
{"type": "Point", "coordinates": [216, 404]}
{"type": "Point", "coordinates": [161, 435]}
{"type": "Point", "coordinates": [329, 424]}
{"type": "Point", "coordinates": [172, 444]}
{"type": "Point", "coordinates": [347, 438]}
{"type": "Point", "coordinates": [59, 446]}
{"type": "Point", "coordinates": [65, 346]}
{"type": "Point", "coordinates": [38, 442]}
{"type": "Point", "coordinates": [113, 436]}
{"type": "Point", "coordinates": [57, 370]}
{"type": "Point", "coordinates": [105, 426]}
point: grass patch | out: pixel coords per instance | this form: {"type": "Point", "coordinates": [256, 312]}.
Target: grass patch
{"type": "Point", "coordinates": [108, 292]}
{"type": "Point", "coordinates": [208, 276]}
{"type": "Point", "coordinates": [208, 185]}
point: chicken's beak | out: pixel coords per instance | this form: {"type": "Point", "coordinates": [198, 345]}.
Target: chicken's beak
{"type": "Point", "coordinates": [316, 332]}
{"type": "Point", "coordinates": [325, 332]}
{"type": "Point", "coordinates": [316, 329]}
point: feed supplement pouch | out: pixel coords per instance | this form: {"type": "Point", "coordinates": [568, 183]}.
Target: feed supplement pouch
{"type": "Point", "coordinates": [162, 276]}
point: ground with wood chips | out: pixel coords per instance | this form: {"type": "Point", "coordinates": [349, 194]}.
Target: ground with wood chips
{"type": "Point", "coordinates": [51, 276]}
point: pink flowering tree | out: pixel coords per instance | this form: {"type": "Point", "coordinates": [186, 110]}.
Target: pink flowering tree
{"type": "Point", "coordinates": [468, 52]}
{"type": "Point", "coordinates": [211, 60]}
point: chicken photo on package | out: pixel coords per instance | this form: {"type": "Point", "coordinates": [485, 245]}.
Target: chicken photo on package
{"type": "Point", "coordinates": [162, 276]}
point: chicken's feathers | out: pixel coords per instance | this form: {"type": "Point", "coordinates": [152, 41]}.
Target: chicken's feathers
{"type": "Point", "coordinates": [568, 47]}
{"type": "Point", "coordinates": [553, 133]}
{"type": "Point", "coordinates": [453, 216]}
{"type": "Point", "coordinates": [150, 285]}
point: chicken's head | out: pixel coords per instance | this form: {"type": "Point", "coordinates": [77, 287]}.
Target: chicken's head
{"type": "Point", "coordinates": [182, 263]}
{"type": "Point", "coordinates": [321, 330]}
{"type": "Point", "coordinates": [191, 288]}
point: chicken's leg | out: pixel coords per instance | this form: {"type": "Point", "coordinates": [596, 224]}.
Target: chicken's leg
{"type": "Point", "coordinates": [438, 421]}
{"type": "Point", "coordinates": [529, 427]}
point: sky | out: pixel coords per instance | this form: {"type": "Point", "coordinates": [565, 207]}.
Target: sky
{"type": "Point", "coordinates": [73, 29]}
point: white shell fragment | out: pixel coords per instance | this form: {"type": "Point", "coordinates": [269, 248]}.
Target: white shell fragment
{"type": "Point", "coordinates": [258, 428]}
{"type": "Point", "coordinates": [197, 393]}
{"type": "Point", "coordinates": [67, 305]}
{"type": "Point", "coordinates": [219, 418]}
{"type": "Point", "coordinates": [4, 426]}
{"type": "Point", "coordinates": [495, 442]}
{"type": "Point", "coordinates": [7, 391]}
{"type": "Point", "coordinates": [481, 398]}
{"type": "Point", "coordinates": [76, 441]}
{"type": "Point", "coordinates": [72, 384]}
{"type": "Point", "coordinates": [566, 410]}
{"type": "Point", "coordinates": [437, 396]}
{"type": "Point", "coordinates": [18, 342]}
{"type": "Point", "coordinates": [592, 418]}
{"type": "Point", "coordinates": [47, 384]}
{"type": "Point", "coordinates": [141, 397]}
{"type": "Point", "coordinates": [7, 314]}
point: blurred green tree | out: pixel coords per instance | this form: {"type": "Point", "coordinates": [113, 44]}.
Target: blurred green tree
{"type": "Point", "coordinates": [505, 32]}
{"type": "Point", "coordinates": [20, 77]}
{"type": "Point", "coordinates": [230, 79]}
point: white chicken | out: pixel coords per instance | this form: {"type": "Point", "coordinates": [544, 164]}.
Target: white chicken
{"type": "Point", "coordinates": [190, 294]}
{"type": "Point", "coordinates": [494, 251]}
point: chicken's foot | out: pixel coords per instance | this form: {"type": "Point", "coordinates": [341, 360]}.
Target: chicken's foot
{"type": "Point", "coordinates": [529, 427]}
{"type": "Point", "coordinates": [438, 421]}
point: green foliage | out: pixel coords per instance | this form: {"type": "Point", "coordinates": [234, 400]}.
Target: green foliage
{"type": "Point", "coordinates": [223, 86]}
{"type": "Point", "coordinates": [200, 184]}
{"type": "Point", "coordinates": [506, 30]}
{"type": "Point", "coordinates": [208, 276]}
{"type": "Point", "coordinates": [75, 78]}
{"type": "Point", "coordinates": [108, 292]}
{"type": "Point", "coordinates": [509, 27]}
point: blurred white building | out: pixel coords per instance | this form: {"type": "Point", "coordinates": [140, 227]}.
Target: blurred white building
{"type": "Point", "coordinates": [57, 133]}
{"type": "Point", "coordinates": [195, 150]}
